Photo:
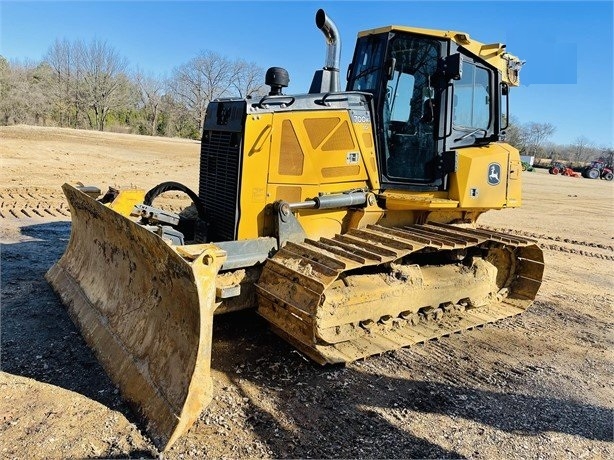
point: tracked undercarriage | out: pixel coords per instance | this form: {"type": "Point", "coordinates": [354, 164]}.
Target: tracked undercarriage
{"type": "Point", "coordinates": [379, 289]}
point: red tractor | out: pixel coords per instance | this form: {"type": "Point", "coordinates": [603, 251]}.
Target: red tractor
{"type": "Point", "coordinates": [598, 169]}
{"type": "Point", "coordinates": [559, 168]}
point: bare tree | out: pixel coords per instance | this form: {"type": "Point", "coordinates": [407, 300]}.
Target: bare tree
{"type": "Point", "coordinates": [514, 135]}
{"type": "Point", "coordinates": [607, 155]}
{"type": "Point", "coordinates": [535, 136]}
{"type": "Point", "coordinates": [248, 79]}
{"type": "Point", "coordinates": [62, 58]}
{"type": "Point", "coordinates": [151, 90]}
{"type": "Point", "coordinates": [581, 148]}
{"type": "Point", "coordinates": [199, 81]}
{"type": "Point", "coordinates": [5, 90]}
{"type": "Point", "coordinates": [39, 79]}
{"type": "Point", "coordinates": [559, 151]}
{"type": "Point", "coordinates": [176, 120]}
{"type": "Point", "coordinates": [14, 92]}
{"type": "Point", "coordinates": [24, 92]}
{"type": "Point", "coordinates": [104, 81]}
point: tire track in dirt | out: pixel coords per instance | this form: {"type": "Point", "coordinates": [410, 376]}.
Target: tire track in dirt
{"type": "Point", "coordinates": [451, 358]}
{"type": "Point", "coordinates": [562, 244]}
{"type": "Point", "coordinates": [31, 203]}
{"type": "Point", "coordinates": [39, 203]}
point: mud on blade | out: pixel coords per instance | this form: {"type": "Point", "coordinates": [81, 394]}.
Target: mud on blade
{"type": "Point", "coordinates": [145, 311]}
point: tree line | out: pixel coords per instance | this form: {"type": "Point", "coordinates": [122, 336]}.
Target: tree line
{"type": "Point", "coordinates": [532, 139]}
{"type": "Point", "coordinates": [91, 86]}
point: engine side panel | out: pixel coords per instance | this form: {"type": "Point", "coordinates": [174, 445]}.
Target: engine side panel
{"type": "Point", "coordinates": [486, 178]}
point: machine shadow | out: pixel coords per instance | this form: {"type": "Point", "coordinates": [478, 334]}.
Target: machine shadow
{"type": "Point", "coordinates": [38, 338]}
{"type": "Point", "coordinates": [329, 419]}
{"type": "Point", "coordinates": [345, 412]}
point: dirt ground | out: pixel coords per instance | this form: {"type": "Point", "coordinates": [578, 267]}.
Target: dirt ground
{"type": "Point", "coordinates": [533, 386]}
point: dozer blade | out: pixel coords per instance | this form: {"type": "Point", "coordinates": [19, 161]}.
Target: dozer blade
{"type": "Point", "coordinates": [378, 289]}
{"type": "Point", "coordinates": [145, 311]}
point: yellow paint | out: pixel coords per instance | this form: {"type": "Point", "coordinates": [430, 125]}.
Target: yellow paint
{"type": "Point", "coordinates": [335, 155]}
{"type": "Point", "coordinates": [297, 156]}
{"type": "Point", "coordinates": [126, 200]}
{"type": "Point", "coordinates": [253, 183]}
{"type": "Point", "coordinates": [406, 200]}
{"type": "Point", "coordinates": [470, 185]}
{"type": "Point", "coordinates": [327, 141]}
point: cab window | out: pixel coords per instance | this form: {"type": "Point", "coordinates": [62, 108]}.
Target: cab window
{"type": "Point", "coordinates": [472, 102]}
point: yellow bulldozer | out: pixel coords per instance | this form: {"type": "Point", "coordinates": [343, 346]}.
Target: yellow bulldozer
{"type": "Point", "coordinates": [348, 218]}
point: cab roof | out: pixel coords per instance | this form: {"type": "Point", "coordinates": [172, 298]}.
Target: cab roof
{"type": "Point", "coordinates": [495, 53]}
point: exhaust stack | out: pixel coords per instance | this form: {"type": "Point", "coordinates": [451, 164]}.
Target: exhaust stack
{"type": "Point", "coordinates": [327, 79]}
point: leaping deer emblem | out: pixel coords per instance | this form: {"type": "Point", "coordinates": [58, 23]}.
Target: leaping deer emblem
{"type": "Point", "coordinates": [493, 176]}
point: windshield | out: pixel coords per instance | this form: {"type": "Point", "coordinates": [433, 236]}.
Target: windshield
{"type": "Point", "coordinates": [410, 109]}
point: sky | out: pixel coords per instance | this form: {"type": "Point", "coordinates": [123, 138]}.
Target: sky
{"type": "Point", "coordinates": [568, 46]}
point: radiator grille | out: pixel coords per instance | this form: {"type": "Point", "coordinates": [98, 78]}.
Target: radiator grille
{"type": "Point", "coordinates": [220, 157]}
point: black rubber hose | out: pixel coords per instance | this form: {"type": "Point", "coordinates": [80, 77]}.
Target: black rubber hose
{"type": "Point", "coordinates": [168, 186]}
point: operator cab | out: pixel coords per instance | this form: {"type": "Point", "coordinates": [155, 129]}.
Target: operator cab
{"type": "Point", "coordinates": [431, 96]}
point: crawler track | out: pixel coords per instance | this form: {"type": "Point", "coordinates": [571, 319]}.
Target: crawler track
{"type": "Point", "coordinates": [379, 289]}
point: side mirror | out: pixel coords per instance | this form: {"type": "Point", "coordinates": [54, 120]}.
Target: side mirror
{"type": "Point", "coordinates": [453, 67]}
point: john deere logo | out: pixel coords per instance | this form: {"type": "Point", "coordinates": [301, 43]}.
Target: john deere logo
{"type": "Point", "coordinates": [494, 173]}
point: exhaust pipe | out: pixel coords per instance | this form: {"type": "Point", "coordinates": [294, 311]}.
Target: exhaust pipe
{"type": "Point", "coordinates": [327, 80]}
{"type": "Point", "coordinates": [333, 47]}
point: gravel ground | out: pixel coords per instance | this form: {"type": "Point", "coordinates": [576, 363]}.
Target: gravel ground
{"type": "Point", "coordinates": [533, 386]}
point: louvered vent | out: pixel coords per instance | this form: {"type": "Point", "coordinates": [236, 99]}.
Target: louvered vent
{"type": "Point", "coordinates": [220, 158]}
